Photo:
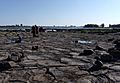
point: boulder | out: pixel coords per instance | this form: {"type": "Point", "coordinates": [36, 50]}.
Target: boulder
{"type": "Point", "coordinates": [4, 66]}
{"type": "Point", "coordinates": [106, 57]}
{"type": "Point", "coordinates": [16, 56]}
{"type": "Point", "coordinates": [117, 44]}
{"type": "Point", "coordinates": [76, 41]}
{"type": "Point", "coordinates": [87, 52]}
{"type": "Point", "coordinates": [115, 53]}
{"type": "Point", "coordinates": [110, 39]}
{"type": "Point", "coordinates": [34, 47]}
{"type": "Point", "coordinates": [117, 41]}
{"type": "Point", "coordinates": [99, 48]}
{"type": "Point", "coordinates": [103, 46]}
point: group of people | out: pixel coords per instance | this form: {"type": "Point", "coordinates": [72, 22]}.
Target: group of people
{"type": "Point", "coordinates": [35, 30]}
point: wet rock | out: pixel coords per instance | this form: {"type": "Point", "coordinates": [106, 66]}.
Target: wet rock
{"type": "Point", "coordinates": [87, 52]}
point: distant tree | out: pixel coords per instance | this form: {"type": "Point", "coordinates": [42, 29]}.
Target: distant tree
{"type": "Point", "coordinates": [21, 25]}
{"type": "Point", "coordinates": [17, 25]}
{"type": "Point", "coordinates": [115, 25]}
{"type": "Point", "coordinates": [91, 25]}
{"type": "Point", "coordinates": [102, 25]}
{"type": "Point", "coordinates": [109, 25]}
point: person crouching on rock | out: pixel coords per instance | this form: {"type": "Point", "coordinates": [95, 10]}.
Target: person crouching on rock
{"type": "Point", "coordinates": [97, 65]}
{"type": "Point", "coordinates": [19, 39]}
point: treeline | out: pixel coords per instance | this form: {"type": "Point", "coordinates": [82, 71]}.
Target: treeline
{"type": "Point", "coordinates": [17, 25]}
{"type": "Point", "coordinates": [114, 25]}
{"type": "Point", "coordinates": [94, 25]}
{"type": "Point", "coordinates": [101, 26]}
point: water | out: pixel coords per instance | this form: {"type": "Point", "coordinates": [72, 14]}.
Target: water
{"type": "Point", "coordinates": [15, 28]}
{"type": "Point", "coordinates": [85, 42]}
{"type": "Point", "coordinates": [45, 27]}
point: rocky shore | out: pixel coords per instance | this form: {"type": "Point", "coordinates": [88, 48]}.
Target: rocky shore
{"type": "Point", "coordinates": [59, 57]}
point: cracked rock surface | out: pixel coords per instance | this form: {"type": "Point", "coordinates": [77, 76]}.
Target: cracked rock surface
{"type": "Point", "coordinates": [58, 59]}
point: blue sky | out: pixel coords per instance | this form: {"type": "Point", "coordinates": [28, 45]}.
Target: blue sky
{"type": "Point", "coordinates": [59, 12]}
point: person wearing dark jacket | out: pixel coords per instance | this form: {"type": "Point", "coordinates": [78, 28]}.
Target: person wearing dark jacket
{"type": "Point", "coordinates": [19, 39]}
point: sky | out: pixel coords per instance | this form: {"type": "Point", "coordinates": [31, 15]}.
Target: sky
{"type": "Point", "coordinates": [59, 12]}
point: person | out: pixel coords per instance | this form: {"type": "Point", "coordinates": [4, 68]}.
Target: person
{"type": "Point", "coordinates": [97, 65]}
{"type": "Point", "coordinates": [19, 39]}
{"type": "Point", "coordinates": [35, 31]}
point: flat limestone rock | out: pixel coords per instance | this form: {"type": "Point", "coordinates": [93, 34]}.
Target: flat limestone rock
{"type": "Point", "coordinates": [76, 63]}
{"type": "Point", "coordinates": [42, 50]}
{"type": "Point", "coordinates": [81, 72]}
{"type": "Point", "coordinates": [29, 62]}
{"type": "Point", "coordinates": [107, 65]}
{"type": "Point", "coordinates": [74, 53]}
{"type": "Point", "coordinates": [80, 57]}
{"type": "Point", "coordinates": [13, 64]}
{"type": "Point", "coordinates": [60, 49]}
{"type": "Point", "coordinates": [54, 52]}
{"type": "Point", "coordinates": [115, 76]}
{"type": "Point", "coordinates": [57, 72]}
{"type": "Point", "coordinates": [65, 60]}
{"type": "Point", "coordinates": [57, 53]}
{"type": "Point", "coordinates": [84, 81]}
{"type": "Point", "coordinates": [49, 63]}
{"type": "Point", "coordinates": [116, 67]}
{"type": "Point", "coordinates": [105, 45]}
{"type": "Point", "coordinates": [40, 78]}
{"type": "Point", "coordinates": [34, 57]}
{"type": "Point", "coordinates": [76, 50]}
